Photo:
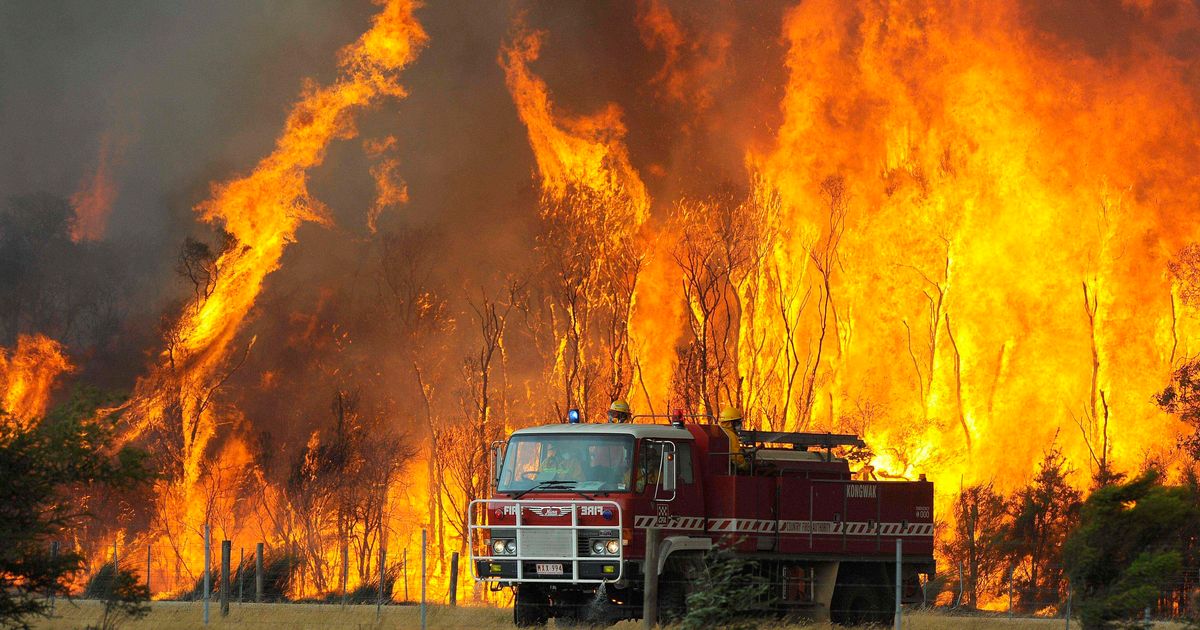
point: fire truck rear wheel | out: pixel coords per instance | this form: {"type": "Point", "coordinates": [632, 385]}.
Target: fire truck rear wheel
{"type": "Point", "coordinates": [860, 601]}
{"type": "Point", "coordinates": [530, 608]}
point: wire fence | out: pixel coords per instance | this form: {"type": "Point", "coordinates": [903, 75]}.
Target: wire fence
{"type": "Point", "coordinates": [219, 574]}
{"type": "Point", "coordinates": [207, 569]}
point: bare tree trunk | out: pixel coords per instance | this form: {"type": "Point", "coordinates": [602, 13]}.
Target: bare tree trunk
{"type": "Point", "coordinates": [962, 419]}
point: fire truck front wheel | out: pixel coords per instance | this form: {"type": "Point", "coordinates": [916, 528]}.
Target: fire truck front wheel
{"type": "Point", "coordinates": [531, 607]}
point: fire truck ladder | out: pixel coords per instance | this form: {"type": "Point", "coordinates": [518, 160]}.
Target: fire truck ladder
{"type": "Point", "coordinates": [800, 441]}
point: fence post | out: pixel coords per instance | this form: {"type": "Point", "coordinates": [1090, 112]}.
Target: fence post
{"type": "Point", "coordinates": [405, 556]}
{"type": "Point", "coordinates": [345, 569]}
{"type": "Point", "coordinates": [258, 573]}
{"type": "Point", "coordinates": [1069, 593]}
{"type": "Point", "coordinates": [148, 592]}
{"type": "Point", "coordinates": [207, 570]}
{"type": "Point", "coordinates": [899, 579]}
{"type": "Point", "coordinates": [650, 576]}
{"type": "Point", "coordinates": [958, 604]}
{"type": "Point", "coordinates": [53, 561]}
{"type": "Point", "coordinates": [382, 569]}
{"type": "Point", "coordinates": [453, 578]}
{"type": "Point", "coordinates": [1010, 589]}
{"type": "Point", "coordinates": [424, 536]}
{"type": "Point", "coordinates": [241, 572]}
{"type": "Point", "coordinates": [226, 551]}
{"type": "Point", "coordinates": [116, 570]}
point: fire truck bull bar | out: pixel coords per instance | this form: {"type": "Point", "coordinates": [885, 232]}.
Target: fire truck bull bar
{"type": "Point", "coordinates": [576, 568]}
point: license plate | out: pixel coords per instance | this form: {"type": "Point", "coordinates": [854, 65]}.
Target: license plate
{"type": "Point", "coordinates": [556, 569]}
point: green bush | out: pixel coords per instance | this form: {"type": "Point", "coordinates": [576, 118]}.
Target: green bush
{"type": "Point", "coordinates": [1129, 546]}
{"type": "Point", "coordinates": [125, 597]}
{"type": "Point", "coordinates": [727, 594]}
{"type": "Point", "coordinates": [280, 569]}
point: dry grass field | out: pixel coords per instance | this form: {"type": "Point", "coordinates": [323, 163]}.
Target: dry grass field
{"type": "Point", "coordinates": [80, 613]}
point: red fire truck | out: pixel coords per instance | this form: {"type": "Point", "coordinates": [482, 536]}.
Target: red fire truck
{"type": "Point", "coordinates": [566, 526]}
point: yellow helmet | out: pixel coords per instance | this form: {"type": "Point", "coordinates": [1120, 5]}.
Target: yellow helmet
{"type": "Point", "coordinates": [619, 406]}
{"type": "Point", "coordinates": [729, 414]}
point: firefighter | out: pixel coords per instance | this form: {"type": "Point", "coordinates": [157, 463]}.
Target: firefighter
{"type": "Point", "coordinates": [730, 422]}
{"type": "Point", "coordinates": [563, 464]}
{"type": "Point", "coordinates": [610, 466]}
{"type": "Point", "coordinates": [619, 412]}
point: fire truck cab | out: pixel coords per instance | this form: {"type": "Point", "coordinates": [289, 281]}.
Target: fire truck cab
{"type": "Point", "coordinates": [566, 526]}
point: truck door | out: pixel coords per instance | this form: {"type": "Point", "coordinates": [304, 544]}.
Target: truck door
{"type": "Point", "coordinates": [685, 512]}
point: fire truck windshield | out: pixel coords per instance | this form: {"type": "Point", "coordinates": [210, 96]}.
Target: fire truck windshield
{"type": "Point", "coordinates": [595, 463]}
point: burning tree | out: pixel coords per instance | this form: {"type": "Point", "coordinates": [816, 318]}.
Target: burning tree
{"type": "Point", "coordinates": [1182, 398]}
{"type": "Point", "coordinates": [1093, 423]}
{"type": "Point", "coordinates": [1043, 513]}
{"type": "Point", "coordinates": [47, 465]}
{"type": "Point", "coordinates": [421, 320]}
{"type": "Point", "coordinates": [976, 546]}
{"type": "Point", "coordinates": [339, 489]}
{"type": "Point", "coordinates": [73, 291]}
{"type": "Point", "coordinates": [722, 240]}
{"type": "Point", "coordinates": [464, 446]}
{"type": "Point", "coordinates": [591, 263]}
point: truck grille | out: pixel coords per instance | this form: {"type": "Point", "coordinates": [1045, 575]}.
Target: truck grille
{"type": "Point", "coordinates": [546, 543]}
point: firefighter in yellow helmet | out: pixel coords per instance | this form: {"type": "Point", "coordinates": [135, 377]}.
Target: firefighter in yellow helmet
{"type": "Point", "coordinates": [619, 412]}
{"type": "Point", "coordinates": [730, 422]}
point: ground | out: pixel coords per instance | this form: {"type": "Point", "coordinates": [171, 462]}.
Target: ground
{"type": "Point", "coordinates": [79, 613]}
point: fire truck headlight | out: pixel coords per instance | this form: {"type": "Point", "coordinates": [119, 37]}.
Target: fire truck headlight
{"type": "Point", "coordinates": [613, 547]}
{"type": "Point", "coordinates": [498, 547]}
{"type": "Point", "coordinates": [598, 547]}
{"type": "Point", "coordinates": [510, 547]}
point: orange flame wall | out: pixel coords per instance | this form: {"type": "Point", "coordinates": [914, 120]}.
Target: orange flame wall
{"type": "Point", "coordinates": [1011, 202]}
{"type": "Point", "coordinates": [1021, 193]}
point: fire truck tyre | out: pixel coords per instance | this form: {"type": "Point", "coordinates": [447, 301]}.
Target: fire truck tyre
{"type": "Point", "coordinates": [857, 601]}
{"type": "Point", "coordinates": [529, 608]}
{"type": "Point", "coordinates": [672, 597]}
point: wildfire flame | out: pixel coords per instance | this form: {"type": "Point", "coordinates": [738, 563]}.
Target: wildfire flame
{"type": "Point", "coordinates": [389, 188]}
{"type": "Point", "coordinates": [93, 202]}
{"type": "Point", "coordinates": [954, 242]}
{"type": "Point", "coordinates": [261, 212]}
{"type": "Point", "coordinates": [999, 205]}
{"type": "Point", "coordinates": [27, 375]}
{"type": "Point", "coordinates": [585, 151]}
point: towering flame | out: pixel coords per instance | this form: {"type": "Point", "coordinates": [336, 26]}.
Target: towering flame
{"type": "Point", "coordinates": [584, 151]}
{"type": "Point", "coordinates": [27, 375]}
{"type": "Point", "coordinates": [97, 192]}
{"type": "Point", "coordinates": [261, 212]}
{"type": "Point", "coordinates": [390, 189]}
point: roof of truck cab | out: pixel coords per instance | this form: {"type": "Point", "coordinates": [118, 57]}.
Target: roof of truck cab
{"type": "Point", "coordinates": [658, 431]}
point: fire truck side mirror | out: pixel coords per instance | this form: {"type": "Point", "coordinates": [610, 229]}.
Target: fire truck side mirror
{"type": "Point", "coordinates": [668, 478]}
{"type": "Point", "coordinates": [497, 462]}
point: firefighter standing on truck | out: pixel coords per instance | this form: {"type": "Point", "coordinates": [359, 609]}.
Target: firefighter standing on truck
{"type": "Point", "coordinates": [619, 412]}
{"type": "Point", "coordinates": [730, 422]}
{"type": "Point", "coordinates": [612, 464]}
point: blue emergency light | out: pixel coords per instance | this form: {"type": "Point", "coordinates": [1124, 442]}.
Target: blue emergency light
{"type": "Point", "coordinates": [573, 416]}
